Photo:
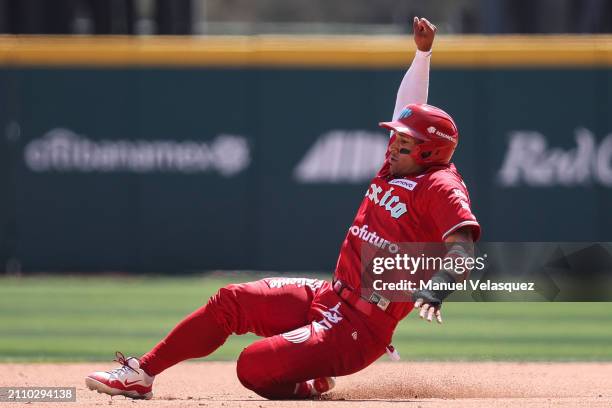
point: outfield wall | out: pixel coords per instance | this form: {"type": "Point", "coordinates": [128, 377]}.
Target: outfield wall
{"type": "Point", "coordinates": [254, 152]}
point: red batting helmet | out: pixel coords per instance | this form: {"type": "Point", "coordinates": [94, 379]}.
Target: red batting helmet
{"type": "Point", "coordinates": [433, 127]}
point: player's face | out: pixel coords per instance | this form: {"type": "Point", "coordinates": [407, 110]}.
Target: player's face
{"type": "Point", "coordinates": [402, 164]}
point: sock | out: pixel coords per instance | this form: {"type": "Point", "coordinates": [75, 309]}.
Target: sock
{"type": "Point", "coordinates": [198, 335]}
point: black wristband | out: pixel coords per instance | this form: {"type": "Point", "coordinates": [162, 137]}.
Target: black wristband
{"type": "Point", "coordinates": [435, 297]}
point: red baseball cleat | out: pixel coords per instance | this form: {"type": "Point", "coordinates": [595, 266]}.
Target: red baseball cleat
{"type": "Point", "coordinates": [129, 380]}
{"type": "Point", "coordinates": [314, 388]}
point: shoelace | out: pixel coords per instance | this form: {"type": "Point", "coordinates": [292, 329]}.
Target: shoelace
{"type": "Point", "coordinates": [120, 358]}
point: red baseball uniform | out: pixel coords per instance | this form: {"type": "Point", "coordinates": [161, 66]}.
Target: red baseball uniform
{"type": "Point", "coordinates": [423, 208]}
{"type": "Point", "coordinates": [312, 328]}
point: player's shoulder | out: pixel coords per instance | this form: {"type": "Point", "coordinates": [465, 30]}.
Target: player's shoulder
{"type": "Point", "coordinates": [443, 176]}
{"type": "Point", "coordinates": [443, 179]}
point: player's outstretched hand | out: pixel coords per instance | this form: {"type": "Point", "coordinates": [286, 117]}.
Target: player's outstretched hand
{"type": "Point", "coordinates": [428, 311]}
{"type": "Point", "coordinates": [424, 33]}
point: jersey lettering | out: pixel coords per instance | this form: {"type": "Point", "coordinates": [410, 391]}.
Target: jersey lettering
{"type": "Point", "coordinates": [390, 202]}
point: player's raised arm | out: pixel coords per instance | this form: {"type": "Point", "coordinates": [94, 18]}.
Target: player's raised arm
{"type": "Point", "coordinates": [415, 85]}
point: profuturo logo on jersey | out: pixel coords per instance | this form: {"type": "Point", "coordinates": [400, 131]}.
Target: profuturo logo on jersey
{"type": "Point", "coordinates": [529, 161]}
{"type": "Point", "coordinates": [387, 200]}
{"type": "Point", "coordinates": [342, 156]}
{"type": "Point", "coordinates": [62, 150]}
{"type": "Point", "coordinates": [373, 238]}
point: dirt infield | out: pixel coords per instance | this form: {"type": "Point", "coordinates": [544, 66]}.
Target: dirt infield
{"type": "Point", "coordinates": [425, 385]}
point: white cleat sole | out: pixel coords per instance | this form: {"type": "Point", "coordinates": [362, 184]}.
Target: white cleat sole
{"type": "Point", "coordinates": [332, 383]}
{"type": "Point", "coordinates": [102, 388]}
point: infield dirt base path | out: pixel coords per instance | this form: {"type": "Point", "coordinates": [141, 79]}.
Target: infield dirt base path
{"type": "Point", "coordinates": [425, 385]}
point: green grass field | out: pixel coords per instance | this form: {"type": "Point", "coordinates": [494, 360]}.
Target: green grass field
{"type": "Point", "coordinates": [88, 319]}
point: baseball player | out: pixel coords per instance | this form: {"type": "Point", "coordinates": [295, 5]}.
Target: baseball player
{"type": "Point", "coordinates": [315, 330]}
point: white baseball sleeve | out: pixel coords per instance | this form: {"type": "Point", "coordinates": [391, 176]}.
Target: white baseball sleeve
{"type": "Point", "coordinates": [415, 85]}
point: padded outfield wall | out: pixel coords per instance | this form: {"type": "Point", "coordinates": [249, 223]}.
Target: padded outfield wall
{"type": "Point", "coordinates": [174, 155]}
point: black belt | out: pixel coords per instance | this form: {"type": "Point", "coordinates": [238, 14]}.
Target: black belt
{"type": "Point", "coordinates": [361, 303]}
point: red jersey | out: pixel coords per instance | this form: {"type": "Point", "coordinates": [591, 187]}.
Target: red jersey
{"type": "Point", "coordinates": [427, 207]}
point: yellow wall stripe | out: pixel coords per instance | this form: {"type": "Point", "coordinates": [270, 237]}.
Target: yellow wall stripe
{"type": "Point", "coordinates": [304, 51]}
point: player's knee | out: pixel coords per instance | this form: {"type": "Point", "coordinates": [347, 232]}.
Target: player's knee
{"type": "Point", "coordinates": [252, 373]}
{"type": "Point", "coordinates": [226, 292]}
{"type": "Point", "coordinates": [247, 370]}
{"type": "Point", "coordinates": [225, 307]}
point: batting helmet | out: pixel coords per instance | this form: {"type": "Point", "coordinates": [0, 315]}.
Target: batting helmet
{"type": "Point", "coordinates": [434, 128]}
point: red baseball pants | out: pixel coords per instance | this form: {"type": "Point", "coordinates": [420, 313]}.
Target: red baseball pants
{"type": "Point", "coordinates": [309, 333]}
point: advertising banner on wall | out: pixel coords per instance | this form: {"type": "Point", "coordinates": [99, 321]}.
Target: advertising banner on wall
{"type": "Point", "coordinates": [175, 170]}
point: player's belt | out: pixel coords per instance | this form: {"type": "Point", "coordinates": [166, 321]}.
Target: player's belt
{"type": "Point", "coordinates": [368, 306]}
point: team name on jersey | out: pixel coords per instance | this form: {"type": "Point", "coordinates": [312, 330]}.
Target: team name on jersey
{"type": "Point", "coordinates": [386, 200]}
